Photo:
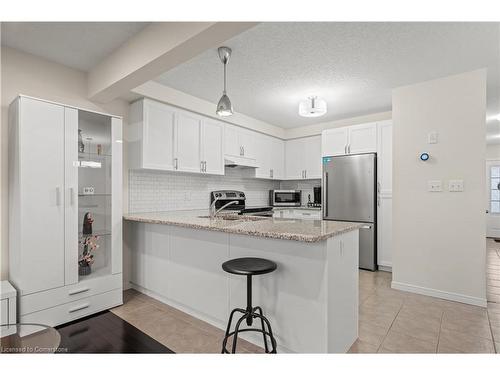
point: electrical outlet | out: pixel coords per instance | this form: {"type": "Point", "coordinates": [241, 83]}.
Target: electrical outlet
{"type": "Point", "coordinates": [434, 186]}
{"type": "Point", "coordinates": [456, 186]}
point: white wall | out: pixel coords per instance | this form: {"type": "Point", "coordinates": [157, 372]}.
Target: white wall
{"type": "Point", "coordinates": [493, 151]}
{"type": "Point", "coordinates": [439, 238]}
{"type": "Point", "coordinates": [23, 73]}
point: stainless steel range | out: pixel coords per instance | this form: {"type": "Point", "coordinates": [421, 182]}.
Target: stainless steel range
{"type": "Point", "coordinates": [227, 201]}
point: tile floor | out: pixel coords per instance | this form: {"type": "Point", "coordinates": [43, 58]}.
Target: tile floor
{"type": "Point", "coordinates": [390, 321]}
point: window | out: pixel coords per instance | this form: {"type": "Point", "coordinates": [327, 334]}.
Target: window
{"type": "Point", "coordinates": [494, 189]}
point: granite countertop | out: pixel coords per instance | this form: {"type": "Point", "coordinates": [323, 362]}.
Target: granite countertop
{"type": "Point", "coordinates": [283, 229]}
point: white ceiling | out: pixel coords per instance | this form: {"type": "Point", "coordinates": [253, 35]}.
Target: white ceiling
{"type": "Point", "coordinates": [80, 45]}
{"type": "Point", "coordinates": [353, 66]}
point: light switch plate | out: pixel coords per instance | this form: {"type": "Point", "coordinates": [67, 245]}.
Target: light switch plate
{"type": "Point", "coordinates": [434, 186]}
{"type": "Point", "coordinates": [432, 137]}
{"type": "Point", "coordinates": [456, 186]}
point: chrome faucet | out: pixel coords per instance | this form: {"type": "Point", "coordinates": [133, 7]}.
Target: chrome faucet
{"type": "Point", "coordinates": [213, 212]}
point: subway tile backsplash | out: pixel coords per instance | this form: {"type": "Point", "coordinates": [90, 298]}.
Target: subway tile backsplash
{"type": "Point", "coordinates": [151, 191]}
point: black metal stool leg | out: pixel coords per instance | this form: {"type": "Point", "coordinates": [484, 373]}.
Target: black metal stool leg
{"type": "Point", "coordinates": [249, 301]}
{"type": "Point", "coordinates": [259, 309]}
{"type": "Point", "coordinates": [273, 341]}
{"type": "Point", "coordinates": [236, 330]}
{"type": "Point", "coordinates": [229, 326]}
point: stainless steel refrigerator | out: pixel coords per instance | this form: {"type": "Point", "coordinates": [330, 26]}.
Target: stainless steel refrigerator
{"type": "Point", "coordinates": [350, 194]}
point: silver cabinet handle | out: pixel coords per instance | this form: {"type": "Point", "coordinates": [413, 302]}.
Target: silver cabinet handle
{"type": "Point", "coordinates": [243, 147]}
{"type": "Point", "coordinates": [205, 165]}
{"type": "Point", "coordinates": [349, 148]}
{"type": "Point", "coordinates": [305, 173]}
{"type": "Point", "coordinates": [325, 194]}
{"type": "Point", "coordinates": [78, 308]}
{"type": "Point", "coordinates": [78, 291]}
{"type": "Point", "coordinates": [201, 166]}
{"type": "Point", "coordinates": [366, 227]}
{"type": "Point", "coordinates": [176, 163]}
{"type": "Point", "coordinates": [345, 149]}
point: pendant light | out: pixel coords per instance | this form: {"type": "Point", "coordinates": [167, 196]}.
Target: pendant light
{"type": "Point", "coordinates": [312, 107]}
{"type": "Point", "coordinates": [224, 107]}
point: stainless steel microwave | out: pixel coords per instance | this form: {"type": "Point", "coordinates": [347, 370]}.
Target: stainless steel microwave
{"type": "Point", "coordinates": [285, 198]}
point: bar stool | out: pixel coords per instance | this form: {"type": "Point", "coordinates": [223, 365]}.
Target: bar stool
{"type": "Point", "coordinates": [249, 267]}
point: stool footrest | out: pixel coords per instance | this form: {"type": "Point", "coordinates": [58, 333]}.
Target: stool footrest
{"type": "Point", "coordinates": [249, 316]}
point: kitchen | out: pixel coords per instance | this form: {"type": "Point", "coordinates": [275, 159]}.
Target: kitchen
{"type": "Point", "coordinates": [164, 197]}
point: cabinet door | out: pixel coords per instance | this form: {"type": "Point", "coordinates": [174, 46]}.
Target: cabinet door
{"type": "Point", "coordinates": [213, 146]}
{"type": "Point", "coordinates": [263, 144]}
{"type": "Point", "coordinates": [294, 159]}
{"type": "Point", "coordinates": [334, 141]}
{"type": "Point", "coordinates": [71, 195]}
{"type": "Point", "coordinates": [247, 141]}
{"type": "Point", "coordinates": [41, 167]}
{"type": "Point", "coordinates": [158, 136]}
{"type": "Point", "coordinates": [362, 139]}
{"type": "Point", "coordinates": [278, 158]}
{"type": "Point", "coordinates": [188, 142]}
{"type": "Point", "coordinates": [231, 142]}
{"type": "Point", "coordinates": [384, 157]}
{"type": "Point", "coordinates": [312, 157]}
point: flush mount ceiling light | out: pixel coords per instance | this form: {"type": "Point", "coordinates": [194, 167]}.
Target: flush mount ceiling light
{"type": "Point", "coordinates": [312, 107]}
{"type": "Point", "coordinates": [224, 107]}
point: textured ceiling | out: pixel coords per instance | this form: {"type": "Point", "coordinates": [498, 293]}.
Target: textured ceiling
{"type": "Point", "coordinates": [80, 45]}
{"type": "Point", "coordinates": [353, 66]}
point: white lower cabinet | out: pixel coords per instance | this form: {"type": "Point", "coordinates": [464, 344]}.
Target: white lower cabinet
{"type": "Point", "coordinates": [57, 155]}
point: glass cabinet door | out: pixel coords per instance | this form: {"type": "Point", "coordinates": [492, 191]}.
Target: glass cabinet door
{"type": "Point", "coordinates": [94, 195]}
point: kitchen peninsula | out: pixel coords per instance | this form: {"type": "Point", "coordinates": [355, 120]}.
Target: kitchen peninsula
{"type": "Point", "coordinates": [311, 299]}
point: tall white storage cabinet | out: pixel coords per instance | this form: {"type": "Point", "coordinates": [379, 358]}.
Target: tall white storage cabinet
{"type": "Point", "coordinates": [64, 164]}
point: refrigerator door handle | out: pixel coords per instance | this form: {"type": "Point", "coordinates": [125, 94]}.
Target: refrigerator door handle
{"type": "Point", "coordinates": [325, 194]}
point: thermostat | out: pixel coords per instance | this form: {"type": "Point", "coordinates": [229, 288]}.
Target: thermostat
{"type": "Point", "coordinates": [424, 156]}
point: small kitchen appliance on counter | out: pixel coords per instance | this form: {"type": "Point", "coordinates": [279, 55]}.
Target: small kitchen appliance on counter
{"type": "Point", "coordinates": [285, 198]}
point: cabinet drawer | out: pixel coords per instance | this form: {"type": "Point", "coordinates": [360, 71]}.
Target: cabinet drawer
{"type": "Point", "coordinates": [4, 311]}
{"type": "Point", "coordinates": [76, 309]}
{"type": "Point", "coordinates": [53, 297]}
{"type": "Point", "coordinates": [304, 214]}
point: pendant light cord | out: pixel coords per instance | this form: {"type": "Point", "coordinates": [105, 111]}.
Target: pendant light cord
{"type": "Point", "coordinates": [225, 78]}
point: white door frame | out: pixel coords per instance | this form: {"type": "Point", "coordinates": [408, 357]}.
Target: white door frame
{"type": "Point", "coordinates": [492, 220]}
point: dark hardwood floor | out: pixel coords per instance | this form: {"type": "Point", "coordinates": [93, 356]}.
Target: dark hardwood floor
{"type": "Point", "coordinates": [106, 333]}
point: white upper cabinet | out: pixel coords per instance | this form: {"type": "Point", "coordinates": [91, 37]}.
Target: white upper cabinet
{"type": "Point", "coordinates": [362, 139]}
{"type": "Point", "coordinates": [278, 159]}
{"type": "Point", "coordinates": [240, 142]}
{"type": "Point", "coordinates": [294, 159]}
{"type": "Point", "coordinates": [334, 141]}
{"type": "Point", "coordinates": [384, 157]}
{"type": "Point", "coordinates": [313, 157]}
{"type": "Point", "coordinates": [270, 157]}
{"type": "Point", "coordinates": [151, 135]}
{"type": "Point", "coordinates": [212, 140]}
{"type": "Point", "coordinates": [165, 138]}
{"type": "Point", "coordinates": [357, 139]}
{"type": "Point", "coordinates": [303, 158]}
{"type": "Point", "coordinates": [188, 143]}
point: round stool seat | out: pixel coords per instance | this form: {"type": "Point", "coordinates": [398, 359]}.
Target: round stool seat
{"type": "Point", "coordinates": [249, 266]}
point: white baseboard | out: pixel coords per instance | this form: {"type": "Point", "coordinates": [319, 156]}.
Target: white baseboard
{"type": "Point", "coordinates": [456, 297]}
{"type": "Point", "coordinates": [384, 268]}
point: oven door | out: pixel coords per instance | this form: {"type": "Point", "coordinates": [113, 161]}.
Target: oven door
{"type": "Point", "coordinates": [287, 198]}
